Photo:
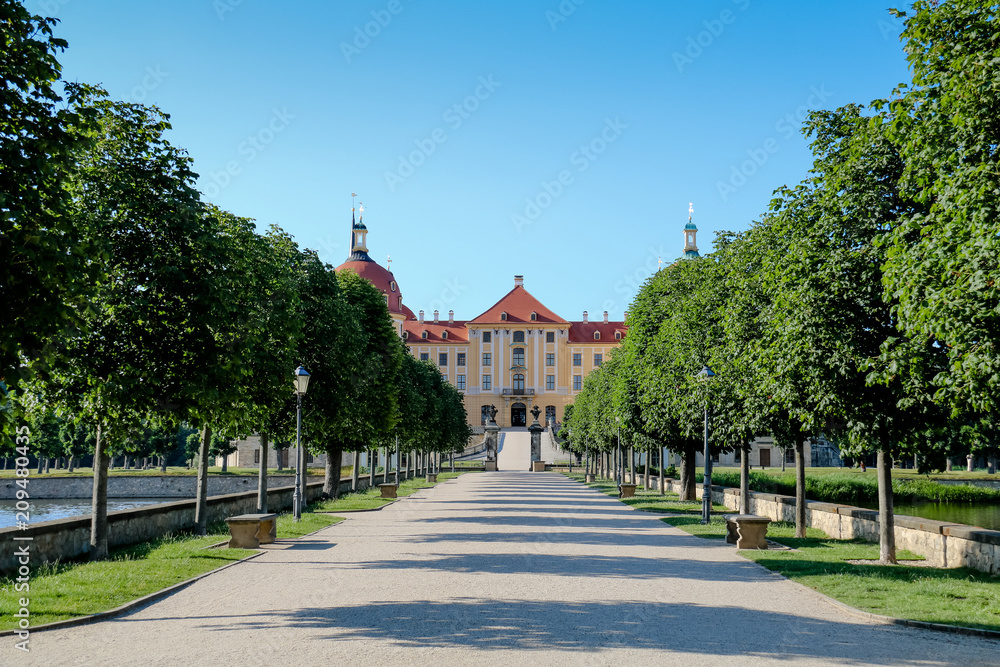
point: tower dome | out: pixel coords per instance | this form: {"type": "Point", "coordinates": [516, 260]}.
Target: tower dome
{"type": "Point", "coordinates": [382, 278]}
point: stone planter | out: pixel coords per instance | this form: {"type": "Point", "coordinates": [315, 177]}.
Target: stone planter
{"type": "Point", "coordinates": [589, 478]}
{"type": "Point", "coordinates": [491, 466]}
{"type": "Point", "coordinates": [432, 478]}
{"type": "Point", "coordinates": [626, 491]}
{"type": "Point", "coordinates": [538, 466]}
{"type": "Point", "coordinates": [388, 490]}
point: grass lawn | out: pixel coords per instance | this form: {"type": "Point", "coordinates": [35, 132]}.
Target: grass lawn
{"type": "Point", "coordinates": [370, 498]}
{"type": "Point", "coordinates": [649, 499]}
{"type": "Point", "coordinates": [68, 590]}
{"type": "Point", "coordinates": [962, 596]}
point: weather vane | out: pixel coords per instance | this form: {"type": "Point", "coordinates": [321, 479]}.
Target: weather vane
{"type": "Point", "coordinates": [353, 196]}
{"type": "Point", "coordinates": [388, 261]}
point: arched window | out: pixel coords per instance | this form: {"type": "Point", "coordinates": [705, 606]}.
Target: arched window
{"type": "Point", "coordinates": [399, 302]}
{"type": "Point", "coordinates": [406, 334]}
{"type": "Point", "coordinates": [424, 335]}
{"type": "Point", "coordinates": [503, 316]}
{"type": "Point", "coordinates": [444, 334]}
{"type": "Point", "coordinates": [618, 335]}
{"type": "Point", "coordinates": [518, 382]}
{"type": "Point", "coordinates": [518, 336]}
{"type": "Point", "coordinates": [597, 335]}
{"type": "Point", "coordinates": [534, 316]}
{"type": "Point", "coordinates": [518, 358]}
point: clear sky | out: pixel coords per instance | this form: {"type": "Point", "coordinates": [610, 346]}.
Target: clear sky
{"type": "Point", "coordinates": [559, 140]}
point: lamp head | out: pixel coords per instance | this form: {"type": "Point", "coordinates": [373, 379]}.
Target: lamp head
{"type": "Point", "coordinates": [301, 380]}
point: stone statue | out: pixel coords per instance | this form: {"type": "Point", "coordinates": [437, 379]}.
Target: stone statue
{"type": "Point", "coordinates": [535, 412]}
{"type": "Point", "coordinates": [491, 410]}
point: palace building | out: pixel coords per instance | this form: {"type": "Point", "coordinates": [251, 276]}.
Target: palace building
{"type": "Point", "coordinates": [516, 354]}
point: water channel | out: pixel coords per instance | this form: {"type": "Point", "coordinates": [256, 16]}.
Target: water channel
{"type": "Point", "coordinates": [43, 509]}
{"type": "Point", "coordinates": [982, 515]}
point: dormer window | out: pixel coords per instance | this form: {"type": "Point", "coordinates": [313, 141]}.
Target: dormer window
{"type": "Point", "coordinates": [503, 316]}
{"type": "Point", "coordinates": [534, 316]}
{"type": "Point", "coordinates": [399, 302]}
{"type": "Point", "coordinates": [444, 335]}
{"type": "Point", "coordinates": [406, 334]}
{"type": "Point", "coordinates": [424, 335]}
{"type": "Point", "coordinates": [597, 335]}
{"type": "Point", "coordinates": [618, 335]}
{"type": "Point", "coordinates": [392, 286]}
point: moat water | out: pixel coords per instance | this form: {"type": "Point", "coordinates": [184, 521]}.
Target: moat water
{"type": "Point", "coordinates": [44, 509]}
{"type": "Point", "coordinates": [984, 516]}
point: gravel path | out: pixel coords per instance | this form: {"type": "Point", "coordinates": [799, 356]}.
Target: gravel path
{"type": "Point", "coordinates": [504, 568]}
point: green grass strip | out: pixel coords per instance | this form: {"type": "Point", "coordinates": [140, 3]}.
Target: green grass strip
{"type": "Point", "coordinates": [370, 499]}
{"type": "Point", "coordinates": [649, 500]}
{"type": "Point", "coordinates": [960, 596]}
{"type": "Point", "coordinates": [63, 591]}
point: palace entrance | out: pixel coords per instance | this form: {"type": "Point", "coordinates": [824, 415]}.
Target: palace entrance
{"type": "Point", "coordinates": [518, 415]}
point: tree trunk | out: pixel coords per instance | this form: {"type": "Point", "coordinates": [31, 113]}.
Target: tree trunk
{"type": "Point", "coordinates": [800, 488]}
{"type": "Point", "coordinates": [745, 482]}
{"type": "Point", "coordinates": [947, 464]}
{"type": "Point", "coordinates": [783, 457]}
{"type": "Point", "coordinates": [331, 475]}
{"type": "Point", "coordinates": [262, 476]}
{"type": "Point", "coordinates": [645, 481]}
{"type": "Point", "coordinates": [355, 471]}
{"type": "Point", "coordinates": [225, 462]}
{"type": "Point", "coordinates": [663, 482]}
{"type": "Point", "coordinates": [99, 503]}
{"type": "Point", "coordinates": [201, 499]}
{"type": "Point", "coordinates": [687, 476]}
{"type": "Point", "coordinates": [886, 522]}
{"type": "Point", "coordinates": [969, 463]}
{"type": "Point", "coordinates": [631, 464]}
{"type": "Point", "coordinates": [991, 465]}
{"type": "Point", "coordinates": [48, 461]}
{"type": "Point", "coordinates": [304, 477]}
{"type": "Point", "coordinates": [41, 464]}
{"type": "Point", "coordinates": [398, 461]}
{"type": "Point", "coordinates": [163, 464]}
{"type": "Point", "coordinates": [70, 464]}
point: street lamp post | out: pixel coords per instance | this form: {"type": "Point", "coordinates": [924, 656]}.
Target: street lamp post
{"type": "Point", "coordinates": [301, 384]}
{"type": "Point", "coordinates": [706, 486]}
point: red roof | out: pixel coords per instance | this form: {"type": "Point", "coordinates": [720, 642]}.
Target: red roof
{"type": "Point", "coordinates": [382, 279]}
{"type": "Point", "coordinates": [583, 332]}
{"type": "Point", "coordinates": [457, 333]}
{"type": "Point", "coordinates": [518, 304]}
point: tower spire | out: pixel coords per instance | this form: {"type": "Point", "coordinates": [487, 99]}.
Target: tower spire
{"type": "Point", "coordinates": [359, 246]}
{"type": "Point", "coordinates": [690, 235]}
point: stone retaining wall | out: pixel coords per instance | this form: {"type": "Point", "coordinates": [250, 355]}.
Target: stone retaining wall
{"type": "Point", "coordinates": [942, 543]}
{"type": "Point", "coordinates": [67, 539]}
{"type": "Point", "coordinates": [144, 486]}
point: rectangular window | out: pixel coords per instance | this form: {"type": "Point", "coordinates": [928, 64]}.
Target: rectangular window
{"type": "Point", "coordinates": [442, 359]}
{"type": "Point", "coordinates": [550, 336]}
{"type": "Point", "coordinates": [518, 356]}
{"type": "Point", "coordinates": [789, 455]}
{"type": "Point", "coordinates": [598, 359]}
{"type": "Point", "coordinates": [578, 359]}
{"type": "Point", "coordinates": [550, 383]}
{"type": "Point", "coordinates": [460, 382]}
{"type": "Point", "coordinates": [487, 383]}
{"type": "Point", "coordinates": [577, 382]}
{"type": "Point", "coordinates": [461, 359]}
{"type": "Point", "coordinates": [424, 356]}
{"type": "Point", "coordinates": [487, 336]}
{"type": "Point", "coordinates": [487, 359]}
{"type": "Point", "coordinates": [550, 359]}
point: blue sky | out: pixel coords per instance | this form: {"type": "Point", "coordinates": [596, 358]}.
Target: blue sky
{"type": "Point", "coordinates": [559, 140]}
